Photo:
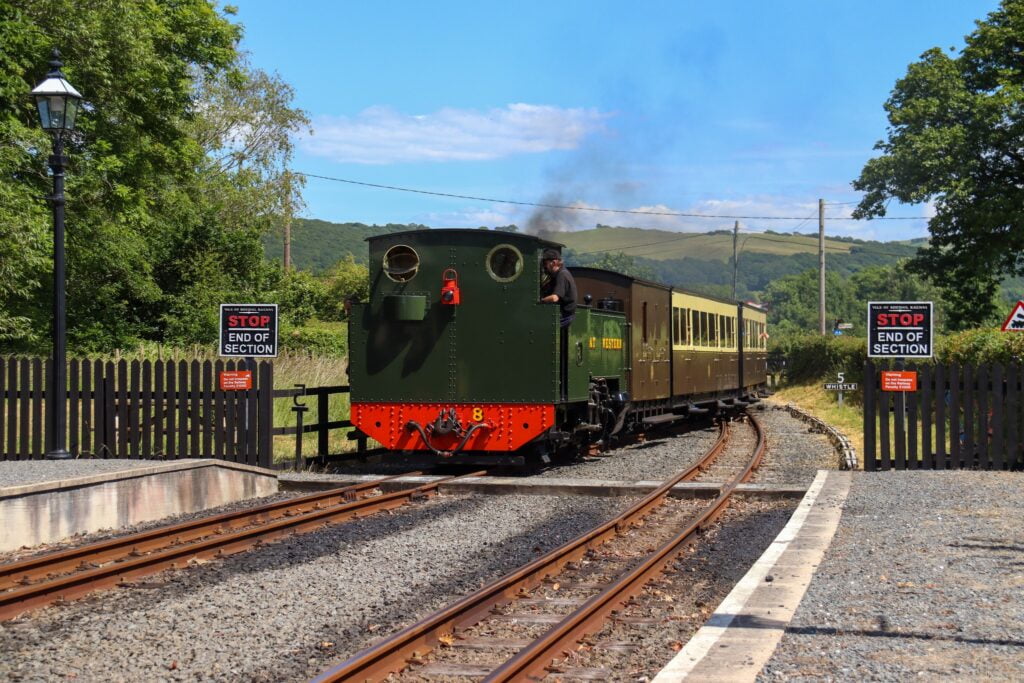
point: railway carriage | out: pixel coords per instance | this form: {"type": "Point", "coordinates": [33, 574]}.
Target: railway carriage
{"type": "Point", "coordinates": [454, 355]}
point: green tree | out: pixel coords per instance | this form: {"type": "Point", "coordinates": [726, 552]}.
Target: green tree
{"type": "Point", "coordinates": [894, 283]}
{"type": "Point", "coordinates": [345, 279]}
{"type": "Point", "coordinates": [793, 302]}
{"type": "Point", "coordinates": [955, 140]}
{"type": "Point", "coordinates": [617, 262]}
{"type": "Point", "coordinates": [175, 170]}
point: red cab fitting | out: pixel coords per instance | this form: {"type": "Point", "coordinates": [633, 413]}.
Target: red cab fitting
{"type": "Point", "coordinates": [450, 287]}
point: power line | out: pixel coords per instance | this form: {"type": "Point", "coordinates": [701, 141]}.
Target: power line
{"type": "Point", "coordinates": [566, 207]}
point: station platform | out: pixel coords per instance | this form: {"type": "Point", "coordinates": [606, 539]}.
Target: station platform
{"type": "Point", "coordinates": [45, 501]}
{"type": "Point", "coordinates": [878, 576]}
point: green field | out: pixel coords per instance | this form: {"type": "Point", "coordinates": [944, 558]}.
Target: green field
{"type": "Point", "coordinates": [661, 245]}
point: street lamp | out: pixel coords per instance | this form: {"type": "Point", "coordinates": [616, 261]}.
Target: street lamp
{"type": "Point", "coordinates": [57, 102]}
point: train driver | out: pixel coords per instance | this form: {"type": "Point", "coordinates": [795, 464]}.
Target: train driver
{"type": "Point", "coordinates": [560, 287]}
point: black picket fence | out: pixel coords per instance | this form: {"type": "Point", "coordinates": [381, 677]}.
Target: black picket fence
{"type": "Point", "coordinates": [139, 409]}
{"type": "Point", "coordinates": [961, 416]}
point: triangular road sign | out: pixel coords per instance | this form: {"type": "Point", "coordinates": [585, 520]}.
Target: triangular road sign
{"type": "Point", "coordinates": [1015, 321]}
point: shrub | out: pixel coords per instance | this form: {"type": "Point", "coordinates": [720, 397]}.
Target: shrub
{"type": "Point", "coordinates": [317, 338]}
{"type": "Point", "coordinates": [980, 346]}
{"type": "Point", "coordinates": [813, 357]}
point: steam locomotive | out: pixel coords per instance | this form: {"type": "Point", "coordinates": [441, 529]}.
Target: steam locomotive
{"type": "Point", "coordinates": [453, 354]}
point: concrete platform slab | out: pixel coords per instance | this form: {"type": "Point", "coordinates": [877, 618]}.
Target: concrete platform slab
{"type": "Point", "coordinates": [742, 634]}
{"type": "Point", "coordinates": [123, 493]}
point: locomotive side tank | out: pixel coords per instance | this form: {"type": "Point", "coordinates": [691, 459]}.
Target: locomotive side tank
{"type": "Point", "coordinates": [646, 305]}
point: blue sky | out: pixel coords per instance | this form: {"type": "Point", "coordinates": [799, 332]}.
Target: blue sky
{"type": "Point", "coordinates": [742, 108]}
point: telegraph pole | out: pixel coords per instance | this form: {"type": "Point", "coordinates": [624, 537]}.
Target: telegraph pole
{"type": "Point", "coordinates": [735, 254]}
{"type": "Point", "coordinates": [821, 266]}
{"type": "Point", "coordinates": [287, 221]}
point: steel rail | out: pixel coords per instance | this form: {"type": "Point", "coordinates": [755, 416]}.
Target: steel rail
{"type": "Point", "coordinates": [534, 660]}
{"type": "Point", "coordinates": [39, 567]}
{"type": "Point", "coordinates": [70, 586]}
{"type": "Point", "coordinates": [390, 655]}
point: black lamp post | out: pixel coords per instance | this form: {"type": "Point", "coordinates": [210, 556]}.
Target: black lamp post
{"type": "Point", "coordinates": [57, 102]}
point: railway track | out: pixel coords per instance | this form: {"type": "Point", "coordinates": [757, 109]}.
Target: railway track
{"type": "Point", "coordinates": [69, 574]}
{"type": "Point", "coordinates": [472, 628]}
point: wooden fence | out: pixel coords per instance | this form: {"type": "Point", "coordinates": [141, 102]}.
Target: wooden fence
{"type": "Point", "coordinates": [959, 417]}
{"type": "Point", "coordinates": [141, 409]}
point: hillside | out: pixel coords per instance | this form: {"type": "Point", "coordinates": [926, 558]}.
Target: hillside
{"type": "Point", "coordinates": [661, 245]}
{"type": "Point", "coordinates": [698, 261]}
{"type": "Point", "coordinates": [317, 245]}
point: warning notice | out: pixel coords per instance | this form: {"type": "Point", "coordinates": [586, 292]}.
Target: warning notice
{"type": "Point", "coordinates": [236, 380]}
{"type": "Point", "coordinates": [899, 380]}
{"type": "Point", "coordinates": [900, 329]}
{"type": "Point", "coordinates": [248, 330]}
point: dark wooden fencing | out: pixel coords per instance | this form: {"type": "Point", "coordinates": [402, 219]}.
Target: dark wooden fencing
{"type": "Point", "coordinates": [139, 409]}
{"type": "Point", "coordinates": [960, 417]}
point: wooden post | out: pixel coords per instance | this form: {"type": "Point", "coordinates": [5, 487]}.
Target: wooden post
{"type": "Point", "coordinates": [821, 266]}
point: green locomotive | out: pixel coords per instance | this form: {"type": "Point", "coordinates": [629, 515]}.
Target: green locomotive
{"type": "Point", "coordinates": [454, 354]}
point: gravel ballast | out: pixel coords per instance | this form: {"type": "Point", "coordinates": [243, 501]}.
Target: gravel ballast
{"type": "Point", "coordinates": [922, 580]}
{"type": "Point", "coordinates": [284, 612]}
{"type": "Point", "coordinates": [290, 609]}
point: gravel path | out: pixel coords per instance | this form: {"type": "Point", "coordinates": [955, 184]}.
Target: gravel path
{"type": "Point", "coordinates": [285, 612]}
{"type": "Point", "coordinates": [922, 580]}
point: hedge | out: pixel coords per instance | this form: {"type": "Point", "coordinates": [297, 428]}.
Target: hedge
{"type": "Point", "coordinates": [814, 357]}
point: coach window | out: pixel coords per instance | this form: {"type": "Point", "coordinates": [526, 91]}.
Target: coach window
{"type": "Point", "coordinates": [644, 322]}
{"type": "Point", "coordinates": [685, 320]}
{"type": "Point", "coordinates": [401, 263]}
{"type": "Point", "coordinates": [713, 329]}
{"type": "Point", "coordinates": [504, 263]}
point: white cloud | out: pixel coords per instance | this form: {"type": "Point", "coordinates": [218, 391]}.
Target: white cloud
{"type": "Point", "coordinates": [381, 135]}
{"type": "Point", "coordinates": [467, 218]}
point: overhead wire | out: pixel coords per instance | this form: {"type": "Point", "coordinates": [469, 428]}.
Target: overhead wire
{"type": "Point", "coordinates": [569, 207]}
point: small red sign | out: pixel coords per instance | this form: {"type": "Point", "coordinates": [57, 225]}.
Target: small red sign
{"type": "Point", "coordinates": [899, 380]}
{"type": "Point", "coordinates": [236, 380]}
